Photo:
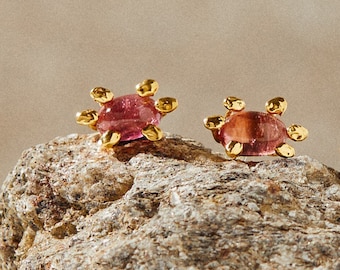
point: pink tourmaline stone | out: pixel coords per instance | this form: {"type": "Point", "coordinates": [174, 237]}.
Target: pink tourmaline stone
{"type": "Point", "coordinates": [128, 115]}
{"type": "Point", "coordinates": [259, 132]}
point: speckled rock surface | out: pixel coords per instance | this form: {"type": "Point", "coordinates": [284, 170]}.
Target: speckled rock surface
{"type": "Point", "coordinates": [171, 204]}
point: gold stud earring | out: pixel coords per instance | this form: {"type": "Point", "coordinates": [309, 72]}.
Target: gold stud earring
{"type": "Point", "coordinates": [129, 117]}
{"type": "Point", "coordinates": [249, 133]}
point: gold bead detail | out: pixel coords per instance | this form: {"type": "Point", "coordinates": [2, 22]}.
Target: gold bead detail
{"type": "Point", "coordinates": [297, 132]}
{"type": "Point", "coordinates": [110, 138]}
{"type": "Point", "coordinates": [152, 133]}
{"type": "Point", "coordinates": [87, 118]}
{"type": "Point", "coordinates": [234, 104]}
{"type": "Point", "coordinates": [276, 105]}
{"type": "Point", "coordinates": [101, 95]}
{"type": "Point", "coordinates": [166, 104]}
{"type": "Point", "coordinates": [214, 122]}
{"type": "Point", "coordinates": [233, 149]}
{"type": "Point", "coordinates": [285, 150]}
{"type": "Point", "coordinates": [147, 88]}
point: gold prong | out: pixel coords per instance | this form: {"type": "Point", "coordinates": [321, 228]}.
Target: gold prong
{"type": "Point", "coordinates": [233, 149]}
{"type": "Point", "coordinates": [214, 122]}
{"type": "Point", "coordinates": [234, 104]}
{"type": "Point", "coordinates": [285, 150]}
{"type": "Point", "coordinates": [87, 118]}
{"type": "Point", "coordinates": [166, 104]}
{"type": "Point", "coordinates": [276, 105]}
{"type": "Point", "coordinates": [297, 132]}
{"type": "Point", "coordinates": [109, 139]}
{"type": "Point", "coordinates": [101, 95]}
{"type": "Point", "coordinates": [94, 127]}
{"type": "Point", "coordinates": [152, 133]}
{"type": "Point", "coordinates": [147, 88]}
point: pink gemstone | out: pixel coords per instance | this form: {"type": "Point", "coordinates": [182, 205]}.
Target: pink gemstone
{"type": "Point", "coordinates": [128, 115]}
{"type": "Point", "coordinates": [259, 132]}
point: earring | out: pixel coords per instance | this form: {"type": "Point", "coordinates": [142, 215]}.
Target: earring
{"type": "Point", "coordinates": [249, 133]}
{"type": "Point", "coordinates": [129, 117]}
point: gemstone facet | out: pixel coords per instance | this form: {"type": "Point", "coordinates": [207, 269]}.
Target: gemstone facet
{"type": "Point", "coordinates": [128, 115]}
{"type": "Point", "coordinates": [260, 133]}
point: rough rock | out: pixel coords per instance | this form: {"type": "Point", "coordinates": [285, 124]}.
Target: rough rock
{"type": "Point", "coordinates": [170, 204]}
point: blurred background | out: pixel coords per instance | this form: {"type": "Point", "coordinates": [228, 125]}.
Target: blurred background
{"type": "Point", "coordinates": [53, 52]}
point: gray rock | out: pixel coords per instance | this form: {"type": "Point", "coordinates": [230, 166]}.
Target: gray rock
{"type": "Point", "coordinates": [170, 204]}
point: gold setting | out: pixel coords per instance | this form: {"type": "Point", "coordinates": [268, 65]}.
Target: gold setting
{"type": "Point", "coordinates": [234, 104]}
{"type": "Point", "coordinates": [214, 122]}
{"type": "Point", "coordinates": [297, 132]}
{"type": "Point", "coordinates": [103, 95]}
{"type": "Point", "coordinates": [276, 105]}
{"type": "Point", "coordinates": [166, 105]}
{"type": "Point", "coordinates": [147, 88]}
{"type": "Point", "coordinates": [87, 118]}
{"type": "Point", "coordinates": [285, 150]}
{"type": "Point", "coordinates": [234, 149]}
{"type": "Point", "coordinates": [109, 139]}
{"type": "Point", "coordinates": [152, 133]}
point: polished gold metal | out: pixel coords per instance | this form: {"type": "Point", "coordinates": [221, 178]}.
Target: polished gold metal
{"type": "Point", "coordinates": [101, 95]}
{"type": "Point", "coordinates": [234, 104]}
{"type": "Point", "coordinates": [214, 122]}
{"type": "Point", "coordinates": [152, 133]}
{"type": "Point", "coordinates": [297, 132]}
{"type": "Point", "coordinates": [285, 150]}
{"type": "Point", "coordinates": [276, 105]}
{"type": "Point", "coordinates": [166, 104]}
{"type": "Point", "coordinates": [233, 149]}
{"type": "Point", "coordinates": [147, 88]}
{"type": "Point", "coordinates": [87, 118]}
{"type": "Point", "coordinates": [110, 138]}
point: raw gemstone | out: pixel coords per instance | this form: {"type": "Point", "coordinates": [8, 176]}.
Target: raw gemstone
{"type": "Point", "coordinates": [128, 115]}
{"type": "Point", "coordinates": [259, 132]}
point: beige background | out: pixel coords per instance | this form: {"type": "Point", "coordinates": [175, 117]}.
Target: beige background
{"type": "Point", "coordinates": [53, 52]}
